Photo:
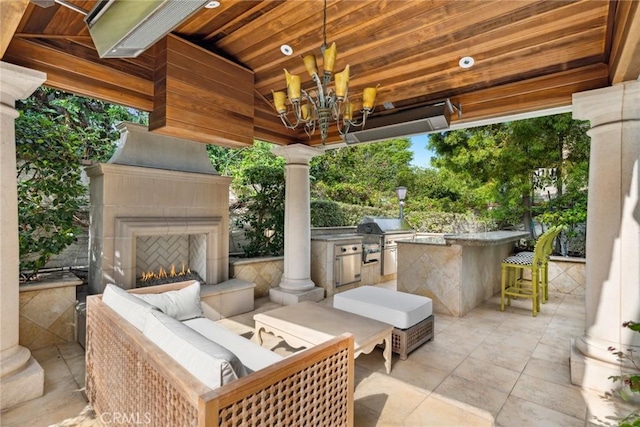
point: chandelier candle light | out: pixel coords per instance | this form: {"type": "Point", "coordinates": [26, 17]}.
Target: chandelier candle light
{"type": "Point", "coordinates": [323, 104]}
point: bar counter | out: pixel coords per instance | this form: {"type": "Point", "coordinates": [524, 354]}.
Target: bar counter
{"type": "Point", "coordinates": [457, 271]}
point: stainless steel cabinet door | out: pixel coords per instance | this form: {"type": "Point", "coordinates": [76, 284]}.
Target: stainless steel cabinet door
{"type": "Point", "coordinates": [348, 269]}
{"type": "Point", "coordinates": [389, 261]}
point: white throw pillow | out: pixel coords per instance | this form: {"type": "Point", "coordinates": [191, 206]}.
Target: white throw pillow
{"type": "Point", "coordinates": [206, 360]}
{"type": "Point", "coordinates": [132, 309]}
{"type": "Point", "coordinates": [183, 304]}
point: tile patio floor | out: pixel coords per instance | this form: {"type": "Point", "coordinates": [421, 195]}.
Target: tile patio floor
{"type": "Point", "coordinates": [510, 366]}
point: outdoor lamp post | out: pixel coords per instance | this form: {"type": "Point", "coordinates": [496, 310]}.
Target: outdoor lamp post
{"type": "Point", "coordinates": [402, 193]}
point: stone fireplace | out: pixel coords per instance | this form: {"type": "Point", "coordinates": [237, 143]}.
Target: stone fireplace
{"type": "Point", "coordinates": [158, 202]}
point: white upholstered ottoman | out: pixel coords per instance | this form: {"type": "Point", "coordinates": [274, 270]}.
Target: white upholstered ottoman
{"type": "Point", "coordinates": [411, 315]}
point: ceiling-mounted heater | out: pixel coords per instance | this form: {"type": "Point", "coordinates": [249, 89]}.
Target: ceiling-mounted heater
{"type": "Point", "coordinates": [431, 118]}
{"type": "Point", "coordinates": [126, 28]}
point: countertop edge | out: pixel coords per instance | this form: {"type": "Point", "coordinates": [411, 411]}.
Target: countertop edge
{"type": "Point", "coordinates": [478, 240]}
{"type": "Point", "coordinates": [490, 238]}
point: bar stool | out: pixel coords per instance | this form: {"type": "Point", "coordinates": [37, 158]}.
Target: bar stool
{"type": "Point", "coordinates": [551, 234]}
{"type": "Point", "coordinates": [514, 286]}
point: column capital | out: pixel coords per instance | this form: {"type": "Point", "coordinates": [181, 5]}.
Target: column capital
{"type": "Point", "coordinates": [18, 82]}
{"type": "Point", "coordinates": [611, 104]}
{"type": "Point", "coordinates": [297, 153]}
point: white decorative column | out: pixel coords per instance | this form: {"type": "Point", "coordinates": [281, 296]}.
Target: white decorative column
{"type": "Point", "coordinates": [21, 377]}
{"type": "Point", "coordinates": [613, 233]}
{"type": "Point", "coordinates": [296, 284]}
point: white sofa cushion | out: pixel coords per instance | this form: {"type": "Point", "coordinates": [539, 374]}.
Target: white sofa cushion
{"type": "Point", "coordinates": [132, 309]}
{"type": "Point", "coordinates": [209, 362]}
{"type": "Point", "coordinates": [252, 356]}
{"type": "Point", "coordinates": [182, 304]}
{"type": "Point", "coordinates": [399, 309]}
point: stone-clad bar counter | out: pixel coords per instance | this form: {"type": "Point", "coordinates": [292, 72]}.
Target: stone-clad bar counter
{"type": "Point", "coordinates": [457, 271]}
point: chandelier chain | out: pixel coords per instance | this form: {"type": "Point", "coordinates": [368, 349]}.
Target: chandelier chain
{"type": "Point", "coordinates": [324, 26]}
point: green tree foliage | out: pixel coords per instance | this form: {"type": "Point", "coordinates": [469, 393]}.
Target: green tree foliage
{"type": "Point", "coordinates": [55, 133]}
{"type": "Point", "coordinates": [498, 162]}
{"type": "Point", "coordinates": [329, 213]}
{"type": "Point", "coordinates": [429, 221]}
{"type": "Point", "coordinates": [439, 190]}
{"type": "Point", "coordinates": [238, 163]}
{"type": "Point", "coordinates": [258, 181]}
{"type": "Point", "coordinates": [569, 208]}
{"type": "Point", "coordinates": [265, 215]}
{"type": "Point", "coordinates": [225, 159]}
{"type": "Point", "coordinates": [366, 174]}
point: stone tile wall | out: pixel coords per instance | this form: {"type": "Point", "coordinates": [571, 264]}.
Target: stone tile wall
{"type": "Point", "coordinates": [47, 311]}
{"type": "Point", "coordinates": [567, 275]}
{"type": "Point", "coordinates": [264, 272]}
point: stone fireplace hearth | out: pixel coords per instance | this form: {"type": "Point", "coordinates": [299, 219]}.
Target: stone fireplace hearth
{"type": "Point", "coordinates": [158, 200]}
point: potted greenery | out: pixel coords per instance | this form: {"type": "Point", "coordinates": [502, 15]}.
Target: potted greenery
{"type": "Point", "coordinates": [628, 384]}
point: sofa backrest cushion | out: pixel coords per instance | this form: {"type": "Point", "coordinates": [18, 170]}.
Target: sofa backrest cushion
{"type": "Point", "coordinates": [209, 362]}
{"type": "Point", "coordinates": [132, 309]}
{"type": "Point", "coordinates": [183, 304]}
{"type": "Point", "coordinates": [253, 356]}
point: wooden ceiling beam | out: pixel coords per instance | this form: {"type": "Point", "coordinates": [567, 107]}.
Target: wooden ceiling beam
{"type": "Point", "coordinates": [53, 36]}
{"type": "Point", "coordinates": [590, 73]}
{"type": "Point", "coordinates": [11, 12]}
{"type": "Point", "coordinates": [625, 50]}
{"type": "Point", "coordinates": [82, 76]}
{"type": "Point", "coordinates": [499, 105]}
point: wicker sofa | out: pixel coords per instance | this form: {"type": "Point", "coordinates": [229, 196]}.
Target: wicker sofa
{"type": "Point", "coordinates": [130, 381]}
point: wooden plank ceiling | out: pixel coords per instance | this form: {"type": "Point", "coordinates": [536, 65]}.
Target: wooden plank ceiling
{"type": "Point", "coordinates": [529, 55]}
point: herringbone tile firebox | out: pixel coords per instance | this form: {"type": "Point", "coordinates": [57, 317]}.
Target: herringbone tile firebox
{"type": "Point", "coordinates": [182, 251]}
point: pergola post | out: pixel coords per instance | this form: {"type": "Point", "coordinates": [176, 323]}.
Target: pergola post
{"type": "Point", "coordinates": [21, 378]}
{"type": "Point", "coordinates": [296, 284]}
{"type": "Point", "coordinates": [613, 233]}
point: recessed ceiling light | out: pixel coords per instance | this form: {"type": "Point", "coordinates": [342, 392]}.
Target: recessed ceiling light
{"type": "Point", "coordinates": [286, 49]}
{"type": "Point", "coordinates": [212, 4]}
{"type": "Point", "coordinates": [466, 62]}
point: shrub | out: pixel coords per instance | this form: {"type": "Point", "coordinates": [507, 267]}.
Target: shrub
{"type": "Point", "coordinates": [326, 213]}
{"type": "Point", "coordinates": [629, 383]}
{"type": "Point", "coordinates": [263, 222]}
{"type": "Point", "coordinates": [446, 222]}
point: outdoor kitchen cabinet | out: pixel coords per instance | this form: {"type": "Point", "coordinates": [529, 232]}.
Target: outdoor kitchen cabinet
{"type": "Point", "coordinates": [390, 260]}
{"type": "Point", "coordinates": [347, 264]}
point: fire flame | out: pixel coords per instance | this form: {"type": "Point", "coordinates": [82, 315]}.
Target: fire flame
{"type": "Point", "coordinates": [162, 273]}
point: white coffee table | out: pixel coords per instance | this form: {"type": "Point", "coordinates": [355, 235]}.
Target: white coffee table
{"type": "Point", "coordinates": [307, 324]}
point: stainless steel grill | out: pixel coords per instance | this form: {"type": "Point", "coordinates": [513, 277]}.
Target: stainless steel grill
{"type": "Point", "coordinates": [385, 232]}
